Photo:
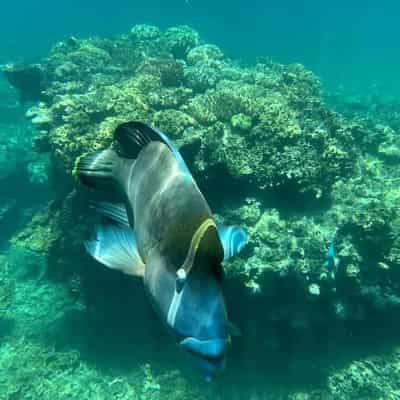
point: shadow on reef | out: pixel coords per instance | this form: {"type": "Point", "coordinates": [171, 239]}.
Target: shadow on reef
{"type": "Point", "coordinates": [299, 348]}
{"type": "Point", "coordinates": [19, 198]}
{"type": "Point", "coordinates": [24, 182]}
{"type": "Point", "coordinates": [289, 337]}
{"type": "Point", "coordinates": [287, 333]}
{"type": "Point", "coordinates": [223, 190]}
{"type": "Point", "coordinates": [283, 340]}
{"type": "Point", "coordinates": [115, 330]}
{"type": "Point", "coordinates": [6, 327]}
{"type": "Point", "coordinates": [287, 201]}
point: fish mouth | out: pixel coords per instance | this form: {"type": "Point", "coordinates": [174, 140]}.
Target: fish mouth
{"type": "Point", "coordinates": [211, 349]}
{"type": "Point", "coordinates": [209, 353]}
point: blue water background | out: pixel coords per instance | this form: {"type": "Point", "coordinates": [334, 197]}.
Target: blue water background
{"type": "Point", "coordinates": [352, 43]}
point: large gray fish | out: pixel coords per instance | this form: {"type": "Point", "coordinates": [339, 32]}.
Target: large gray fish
{"type": "Point", "coordinates": [165, 233]}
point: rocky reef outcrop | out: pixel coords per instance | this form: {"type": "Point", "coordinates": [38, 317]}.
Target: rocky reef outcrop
{"type": "Point", "coordinates": [271, 155]}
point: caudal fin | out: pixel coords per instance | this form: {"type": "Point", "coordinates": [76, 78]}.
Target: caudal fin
{"type": "Point", "coordinates": [97, 170]}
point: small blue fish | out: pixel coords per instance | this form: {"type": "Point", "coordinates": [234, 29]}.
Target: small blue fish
{"type": "Point", "coordinates": [331, 262]}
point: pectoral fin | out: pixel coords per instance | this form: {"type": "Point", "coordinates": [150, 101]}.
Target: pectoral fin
{"type": "Point", "coordinates": [233, 240]}
{"type": "Point", "coordinates": [233, 329]}
{"type": "Point", "coordinates": [115, 247]}
{"type": "Point", "coordinates": [115, 212]}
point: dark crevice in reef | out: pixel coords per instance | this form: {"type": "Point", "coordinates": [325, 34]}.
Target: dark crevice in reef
{"type": "Point", "coordinates": [222, 190]}
{"type": "Point", "coordinates": [301, 348]}
{"type": "Point", "coordinates": [19, 198]}
{"type": "Point", "coordinates": [116, 329]}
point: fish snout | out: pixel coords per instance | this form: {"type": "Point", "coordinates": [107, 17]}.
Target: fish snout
{"type": "Point", "coordinates": [209, 355]}
{"type": "Point", "coordinates": [211, 349]}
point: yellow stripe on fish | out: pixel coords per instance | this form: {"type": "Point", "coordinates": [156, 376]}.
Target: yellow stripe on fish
{"type": "Point", "coordinates": [195, 243]}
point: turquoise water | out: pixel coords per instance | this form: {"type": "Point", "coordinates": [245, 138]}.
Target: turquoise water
{"type": "Point", "coordinates": [347, 43]}
{"type": "Point", "coordinates": [300, 167]}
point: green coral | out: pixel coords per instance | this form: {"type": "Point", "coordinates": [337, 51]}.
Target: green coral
{"type": "Point", "coordinates": [32, 371]}
{"type": "Point", "coordinates": [174, 122]}
{"type": "Point", "coordinates": [372, 378]}
{"type": "Point", "coordinates": [241, 122]}
{"type": "Point", "coordinates": [40, 234]}
{"type": "Point", "coordinates": [180, 40]}
{"type": "Point", "coordinates": [204, 53]}
{"type": "Point", "coordinates": [141, 33]}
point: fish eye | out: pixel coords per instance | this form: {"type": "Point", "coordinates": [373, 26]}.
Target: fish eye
{"type": "Point", "coordinates": [180, 279]}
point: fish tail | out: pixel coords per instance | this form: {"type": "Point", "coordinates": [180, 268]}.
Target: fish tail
{"type": "Point", "coordinates": [96, 170]}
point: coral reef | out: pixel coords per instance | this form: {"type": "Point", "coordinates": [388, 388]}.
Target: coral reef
{"type": "Point", "coordinates": [266, 123]}
{"type": "Point", "coordinates": [371, 378]}
{"type": "Point", "coordinates": [302, 172]}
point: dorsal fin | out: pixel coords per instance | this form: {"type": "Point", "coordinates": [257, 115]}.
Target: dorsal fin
{"type": "Point", "coordinates": [133, 136]}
